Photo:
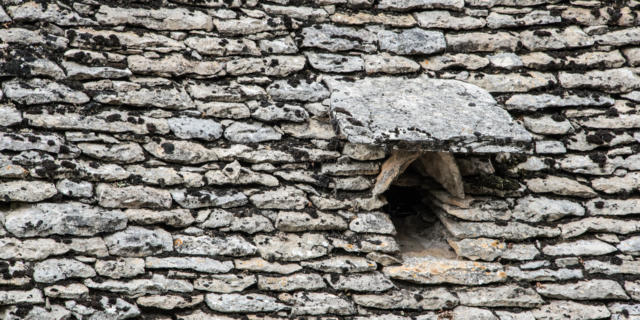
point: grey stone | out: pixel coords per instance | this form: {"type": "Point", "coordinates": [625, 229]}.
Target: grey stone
{"type": "Point", "coordinates": [33, 141]}
{"type": "Point", "coordinates": [286, 112]}
{"type": "Point", "coordinates": [163, 176]}
{"type": "Point", "coordinates": [432, 270]}
{"type": "Point", "coordinates": [613, 207]}
{"type": "Point", "coordinates": [232, 245]}
{"type": "Point", "coordinates": [614, 184]}
{"type": "Point", "coordinates": [402, 5]}
{"type": "Point", "coordinates": [174, 65]}
{"type": "Point", "coordinates": [561, 274]}
{"type": "Point", "coordinates": [386, 63]}
{"type": "Point", "coordinates": [26, 191]}
{"type": "Point", "coordinates": [222, 46]}
{"type": "Point", "coordinates": [158, 284]}
{"type": "Point", "coordinates": [251, 224]}
{"type": "Point", "coordinates": [560, 186]}
{"type": "Point", "coordinates": [510, 230]}
{"type": "Point", "coordinates": [630, 246]}
{"type": "Point", "coordinates": [506, 315]}
{"type": "Point", "coordinates": [134, 41]}
{"type": "Point", "coordinates": [612, 80]}
{"type": "Point", "coordinates": [36, 91]}
{"type": "Point", "coordinates": [9, 115]}
{"type": "Point", "coordinates": [368, 282]}
{"type": "Point", "coordinates": [304, 90]}
{"type": "Point", "coordinates": [120, 267]}
{"type": "Point", "coordinates": [281, 198]}
{"type": "Point", "coordinates": [319, 303]}
{"type": "Point", "coordinates": [271, 66]}
{"type": "Point", "coordinates": [298, 281]}
{"type": "Point", "coordinates": [252, 302]}
{"type": "Point", "coordinates": [570, 310]}
{"type": "Point", "coordinates": [110, 196]}
{"type": "Point", "coordinates": [584, 290]}
{"type": "Point", "coordinates": [243, 132]}
{"type": "Point", "coordinates": [297, 12]}
{"type": "Point", "coordinates": [32, 67]}
{"type": "Point", "coordinates": [536, 209]}
{"type": "Point", "coordinates": [413, 98]}
{"type": "Point", "coordinates": [174, 218]}
{"type": "Point", "coordinates": [248, 25]}
{"type": "Point", "coordinates": [293, 221]}
{"type": "Point", "coordinates": [121, 153]}
{"type": "Point", "coordinates": [341, 264]}
{"type": "Point", "coordinates": [261, 265]}
{"type": "Point", "coordinates": [586, 165]}
{"type": "Point", "coordinates": [54, 270]}
{"type": "Point", "coordinates": [278, 45]}
{"type": "Point", "coordinates": [537, 17]}
{"type": "Point", "coordinates": [427, 299]}
{"type": "Point", "coordinates": [619, 37]}
{"type": "Point", "coordinates": [141, 93]}
{"type": "Point", "coordinates": [505, 60]}
{"type": "Point", "coordinates": [535, 102]}
{"type": "Point", "coordinates": [139, 242]}
{"type": "Point", "coordinates": [367, 243]}
{"type": "Point", "coordinates": [633, 288]}
{"type": "Point", "coordinates": [448, 60]}
{"type": "Point", "coordinates": [481, 42]}
{"type": "Point", "coordinates": [372, 222]}
{"type": "Point", "coordinates": [442, 19]}
{"type": "Point", "coordinates": [118, 309]}
{"type": "Point", "coordinates": [411, 41]}
{"type": "Point", "coordinates": [503, 296]}
{"type": "Point", "coordinates": [329, 62]}
{"type": "Point", "coordinates": [624, 267]}
{"type": "Point", "coordinates": [28, 37]}
{"type": "Point", "coordinates": [32, 296]}
{"type": "Point", "coordinates": [79, 72]}
{"type": "Point", "coordinates": [73, 291]}
{"type": "Point", "coordinates": [102, 121]}
{"type": "Point", "coordinates": [469, 313]}
{"type": "Point", "coordinates": [190, 128]}
{"type": "Point", "coordinates": [215, 218]}
{"type": "Point", "coordinates": [226, 93]}
{"type": "Point", "coordinates": [180, 151]}
{"type": "Point", "coordinates": [512, 82]}
{"type": "Point", "coordinates": [292, 247]}
{"type": "Point", "coordinates": [169, 302]}
{"type": "Point", "coordinates": [200, 264]}
{"type": "Point", "coordinates": [224, 283]}
{"type": "Point", "coordinates": [206, 198]}
{"type": "Point", "coordinates": [70, 218]}
{"type": "Point", "coordinates": [228, 110]}
{"type": "Point", "coordinates": [579, 248]}
{"type": "Point", "coordinates": [332, 38]}
{"type": "Point", "coordinates": [552, 39]}
{"type": "Point", "coordinates": [547, 125]}
{"type": "Point", "coordinates": [598, 224]}
{"type": "Point", "coordinates": [34, 249]}
{"type": "Point", "coordinates": [82, 189]}
{"type": "Point", "coordinates": [157, 19]}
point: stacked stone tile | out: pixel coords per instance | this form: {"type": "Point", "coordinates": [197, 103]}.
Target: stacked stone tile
{"type": "Point", "coordinates": [176, 160]}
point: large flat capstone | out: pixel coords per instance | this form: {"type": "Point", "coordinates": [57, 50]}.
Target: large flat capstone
{"type": "Point", "coordinates": [423, 114]}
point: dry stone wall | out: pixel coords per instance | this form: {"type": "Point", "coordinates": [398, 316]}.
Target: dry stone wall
{"type": "Point", "coordinates": [175, 160]}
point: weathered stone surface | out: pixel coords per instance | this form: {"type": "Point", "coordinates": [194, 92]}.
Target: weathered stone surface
{"type": "Point", "coordinates": [420, 4]}
{"type": "Point", "coordinates": [570, 310]}
{"type": "Point", "coordinates": [273, 112]}
{"type": "Point", "coordinates": [413, 99]}
{"type": "Point", "coordinates": [579, 248]}
{"type": "Point", "coordinates": [612, 207]}
{"type": "Point", "coordinates": [72, 291]}
{"type": "Point", "coordinates": [341, 264]}
{"type": "Point", "coordinates": [79, 72]}
{"type": "Point", "coordinates": [200, 264]}
{"type": "Point", "coordinates": [481, 42]}
{"type": "Point", "coordinates": [544, 274]}
{"type": "Point", "coordinates": [28, 37]}
{"type": "Point", "coordinates": [157, 19]}
{"type": "Point", "coordinates": [537, 17]}
{"type": "Point", "coordinates": [252, 302]}
{"type": "Point", "coordinates": [120, 267]}
{"type": "Point", "coordinates": [512, 82]}
{"type": "Point", "coordinates": [469, 313]}
{"type": "Point", "coordinates": [189, 128]}
{"type": "Point", "coordinates": [138, 242]}
{"type": "Point", "coordinates": [169, 302]}
{"type": "Point", "coordinates": [298, 281]}
{"type": "Point", "coordinates": [121, 153]}
{"type": "Point", "coordinates": [224, 283]}
{"type": "Point", "coordinates": [141, 93]}
{"type": "Point", "coordinates": [630, 246]}
{"type": "Point", "coordinates": [36, 91]}
{"type": "Point", "coordinates": [584, 290]}
{"type": "Point", "coordinates": [243, 132]}
{"type": "Point", "coordinates": [536, 102]}
{"type": "Point", "coordinates": [158, 284]}
{"type": "Point", "coordinates": [28, 141]}
{"type": "Point", "coordinates": [386, 63]}
{"type": "Point", "coordinates": [258, 264]}
{"type": "Point", "coordinates": [53, 270]}
{"type": "Point", "coordinates": [71, 218]}
{"type": "Point", "coordinates": [26, 191]}
{"type": "Point", "coordinates": [292, 247]}
{"type": "Point", "coordinates": [174, 65]}
{"type": "Point", "coordinates": [234, 245]}
{"type": "Point", "coordinates": [599, 224]}
{"type": "Point", "coordinates": [328, 62]}
{"type": "Point", "coordinates": [545, 39]}
{"type": "Point", "coordinates": [206, 198]}
{"type": "Point", "coordinates": [317, 303]}
{"type": "Point", "coordinates": [612, 80]}
{"type": "Point", "coordinates": [175, 217]}
{"type": "Point", "coordinates": [374, 282]}
{"type": "Point", "coordinates": [373, 222]}
{"type": "Point", "coordinates": [282, 198]}
{"type": "Point", "coordinates": [411, 41]}
{"type": "Point", "coordinates": [9, 115]}
{"type": "Point", "coordinates": [30, 249]}
{"type": "Point", "coordinates": [110, 121]}
{"type": "Point", "coordinates": [503, 296]}
{"type": "Point", "coordinates": [222, 46]}
{"type": "Point", "coordinates": [110, 196]}
{"type": "Point", "coordinates": [547, 125]}
{"type": "Point", "coordinates": [536, 209]}
{"type": "Point", "coordinates": [614, 184]}
{"type": "Point", "coordinates": [332, 38]}
{"type": "Point", "coordinates": [134, 41]}
{"type": "Point", "coordinates": [180, 151]}
{"type": "Point", "coordinates": [624, 267]}
{"type": "Point", "coordinates": [293, 221]}
{"type": "Point", "coordinates": [428, 299]}
{"type": "Point", "coordinates": [304, 90]}
{"type": "Point", "coordinates": [248, 25]}
{"type": "Point", "coordinates": [444, 20]}
{"type": "Point", "coordinates": [561, 186]}
{"type": "Point", "coordinates": [510, 230]}
{"type": "Point", "coordinates": [430, 270]}
{"type": "Point", "coordinates": [82, 189]}
{"type": "Point", "coordinates": [17, 296]}
{"type": "Point", "coordinates": [53, 13]}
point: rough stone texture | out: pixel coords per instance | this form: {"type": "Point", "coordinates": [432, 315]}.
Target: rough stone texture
{"type": "Point", "coordinates": [409, 107]}
{"type": "Point", "coordinates": [191, 159]}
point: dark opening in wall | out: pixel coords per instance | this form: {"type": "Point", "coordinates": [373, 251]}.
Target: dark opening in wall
{"type": "Point", "coordinates": [419, 230]}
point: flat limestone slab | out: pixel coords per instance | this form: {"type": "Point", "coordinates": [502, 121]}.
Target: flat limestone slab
{"type": "Point", "coordinates": [423, 114]}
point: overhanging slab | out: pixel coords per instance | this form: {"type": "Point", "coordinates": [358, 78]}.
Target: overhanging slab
{"type": "Point", "coordinates": [423, 114]}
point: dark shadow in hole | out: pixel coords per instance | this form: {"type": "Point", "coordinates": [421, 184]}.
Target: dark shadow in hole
{"type": "Point", "coordinates": [419, 231]}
